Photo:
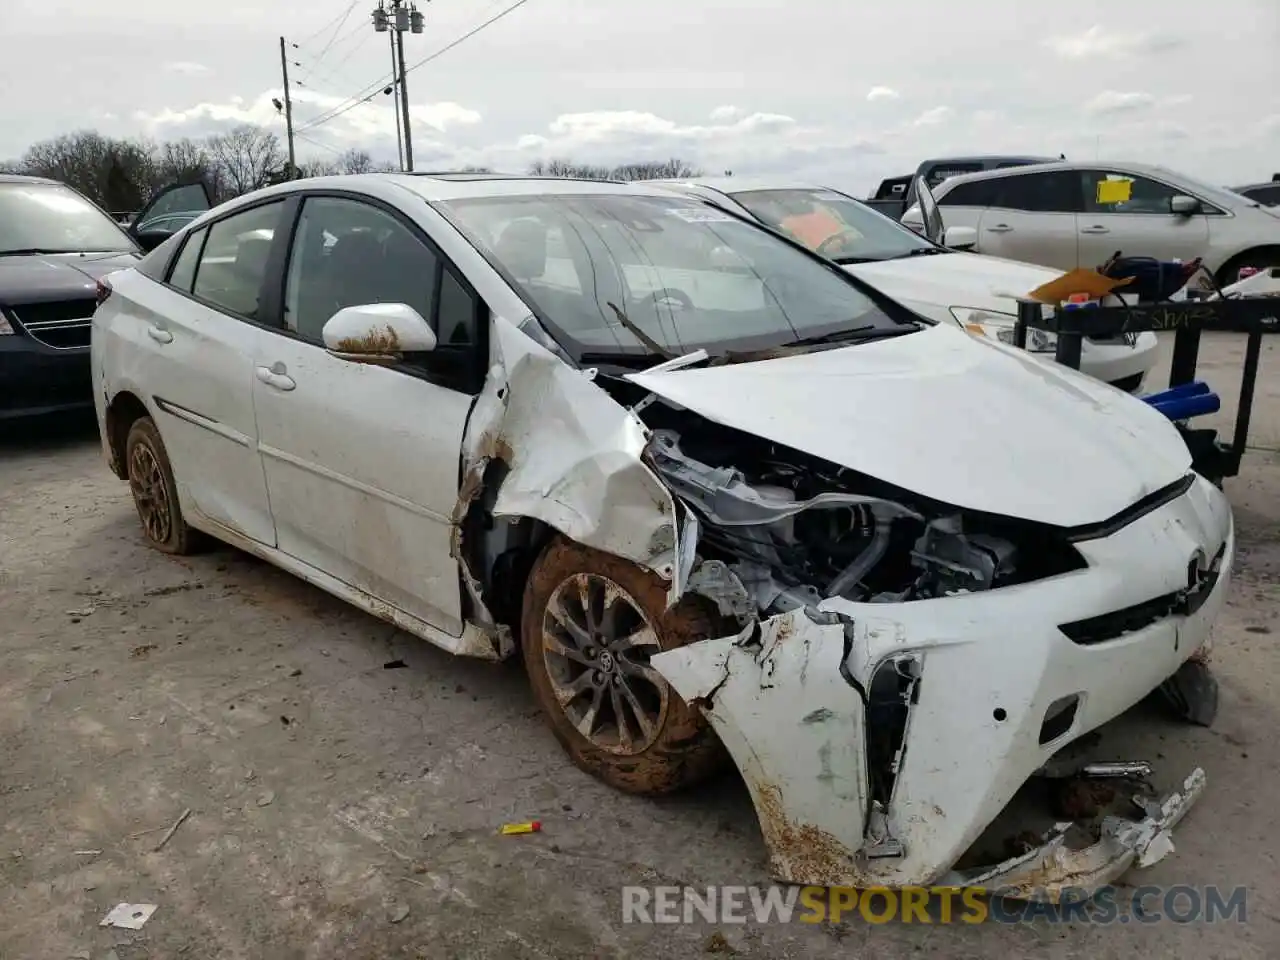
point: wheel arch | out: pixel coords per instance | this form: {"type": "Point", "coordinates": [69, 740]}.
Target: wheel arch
{"type": "Point", "coordinates": [1269, 251]}
{"type": "Point", "coordinates": [124, 410]}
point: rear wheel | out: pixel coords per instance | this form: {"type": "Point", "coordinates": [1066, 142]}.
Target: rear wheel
{"type": "Point", "coordinates": [590, 626]}
{"type": "Point", "coordinates": [155, 494]}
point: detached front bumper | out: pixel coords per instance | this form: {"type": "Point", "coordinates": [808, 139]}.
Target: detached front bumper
{"type": "Point", "coordinates": [1118, 363]}
{"type": "Point", "coordinates": [998, 687]}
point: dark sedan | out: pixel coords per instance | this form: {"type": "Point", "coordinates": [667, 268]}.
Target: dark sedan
{"type": "Point", "coordinates": [55, 245]}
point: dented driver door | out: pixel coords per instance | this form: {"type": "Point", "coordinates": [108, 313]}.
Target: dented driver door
{"type": "Point", "coordinates": [362, 459]}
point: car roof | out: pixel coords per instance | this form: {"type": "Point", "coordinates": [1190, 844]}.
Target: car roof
{"type": "Point", "coordinates": [1256, 186]}
{"type": "Point", "coordinates": [456, 186]}
{"type": "Point", "coordinates": [22, 178]}
{"type": "Point", "coordinates": [990, 158]}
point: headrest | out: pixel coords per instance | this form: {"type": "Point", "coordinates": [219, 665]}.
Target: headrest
{"type": "Point", "coordinates": [251, 254]}
{"type": "Point", "coordinates": [522, 248]}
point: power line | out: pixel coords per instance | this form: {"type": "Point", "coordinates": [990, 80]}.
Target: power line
{"type": "Point", "coordinates": [345, 17]}
{"type": "Point", "coordinates": [328, 23]}
{"type": "Point", "coordinates": [372, 90]}
{"type": "Point", "coordinates": [468, 35]}
{"type": "Point", "coordinates": [316, 143]}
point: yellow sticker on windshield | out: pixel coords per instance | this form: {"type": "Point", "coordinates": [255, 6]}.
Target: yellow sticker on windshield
{"type": "Point", "coordinates": [1115, 191]}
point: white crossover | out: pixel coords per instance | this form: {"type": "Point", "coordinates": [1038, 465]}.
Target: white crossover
{"type": "Point", "coordinates": [1073, 214]}
{"type": "Point", "coordinates": [724, 499]}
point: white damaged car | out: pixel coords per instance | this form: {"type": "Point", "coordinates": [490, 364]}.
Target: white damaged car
{"type": "Point", "coordinates": [973, 291]}
{"type": "Point", "coordinates": [726, 501]}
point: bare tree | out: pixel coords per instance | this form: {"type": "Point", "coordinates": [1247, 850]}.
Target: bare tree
{"type": "Point", "coordinates": [317, 168]}
{"type": "Point", "coordinates": [355, 161]}
{"type": "Point", "coordinates": [115, 173]}
{"type": "Point", "coordinates": [674, 168]}
{"type": "Point", "coordinates": [246, 156]}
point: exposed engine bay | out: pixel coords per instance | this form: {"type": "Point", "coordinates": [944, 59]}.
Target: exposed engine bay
{"type": "Point", "coordinates": [780, 530]}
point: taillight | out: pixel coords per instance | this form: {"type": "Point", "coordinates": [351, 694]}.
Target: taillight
{"type": "Point", "coordinates": [104, 290]}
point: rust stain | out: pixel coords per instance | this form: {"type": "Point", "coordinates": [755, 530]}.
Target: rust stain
{"type": "Point", "coordinates": [384, 341]}
{"type": "Point", "coordinates": [800, 852]}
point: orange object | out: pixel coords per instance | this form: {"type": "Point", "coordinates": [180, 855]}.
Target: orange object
{"type": "Point", "coordinates": [533, 826]}
{"type": "Point", "coordinates": [1075, 282]}
{"type": "Point", "coordinates": [812, 229]}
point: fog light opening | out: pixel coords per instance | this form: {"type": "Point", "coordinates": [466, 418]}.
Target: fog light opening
{"type": "Point", "coordinates": [1059, 718]}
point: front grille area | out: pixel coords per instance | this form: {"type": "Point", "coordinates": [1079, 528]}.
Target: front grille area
{"type": "Point", "coordinates": [1180, 603]}
{"type": "Point", "coordinates": [61, 324]}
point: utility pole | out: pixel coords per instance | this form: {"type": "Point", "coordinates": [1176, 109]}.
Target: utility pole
{"type": "Point", "coordinates": [400, 18]}
{"type": "Point", "coordinates": [395, 107]}
{"type": "Point", "coordinates": [288, 107]}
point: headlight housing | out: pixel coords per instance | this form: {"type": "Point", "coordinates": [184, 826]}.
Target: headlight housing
{"type": "Point", "coordinates": [991, 323]}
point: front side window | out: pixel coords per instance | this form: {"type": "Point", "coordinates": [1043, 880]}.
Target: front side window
{"type": "Point", "coordinates": [1054, 192]}
{"type": "Point", "coordinates": [234, 260]}
{"type": "Point", "coordinates": [348, 253]}
{"type": "Point", "coordinates": [52, 218]}
{"type": "Point", "coordinates": [832, 224]}
{"type": "Point", "coordinates": [1106, 192]}
{"type": "Point", "coordinates": [688, 276]}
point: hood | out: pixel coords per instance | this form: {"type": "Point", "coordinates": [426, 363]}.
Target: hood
{"type": "Point", "coordinates": [48, 277]}
{"type": "Point", "coordinates": [952, 417]}
{"type": "Point", "coordinates": [955, 280]}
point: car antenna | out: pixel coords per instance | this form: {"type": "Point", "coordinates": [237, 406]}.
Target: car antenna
{"type": "Point", "coordinates": [650, 344]}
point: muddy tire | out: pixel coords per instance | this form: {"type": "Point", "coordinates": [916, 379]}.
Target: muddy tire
{"type": "Point", "coordinates": [155, 494]}
{"type": "Point", "coordinates": [590, 623]}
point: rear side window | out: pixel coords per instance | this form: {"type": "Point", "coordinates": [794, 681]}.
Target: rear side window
{"type": "Point", "coordinates": [1054, 192]}
{"type": "Point", "coordinates": [979, 193]}
{"type": "Point", "coordinates": [233, 262]}
{"type": "Point", "coordinates": [183, 274]}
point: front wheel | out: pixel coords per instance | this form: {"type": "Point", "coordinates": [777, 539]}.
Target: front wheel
{"type": "Point", "coordinates": [155, 494]}
{"type": "Point", "coordinates": [591, 623]}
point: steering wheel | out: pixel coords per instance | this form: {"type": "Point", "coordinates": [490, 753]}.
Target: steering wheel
{"type": "Point", "coordinates": [835, 241]}
{"type": "Point", "coordinates": [667, 293]}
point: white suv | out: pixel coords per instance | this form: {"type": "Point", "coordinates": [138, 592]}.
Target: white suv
{"type": "Point", "coordinates": [1077, 214]}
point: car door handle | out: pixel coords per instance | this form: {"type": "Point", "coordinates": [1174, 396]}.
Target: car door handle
{"type": "Point", "coordinates": [275, 377]}
{"type": "Point", "coordinates": [159, 334]}
{"type": "Point", "coordinates": [1096, 228]}
{"type": "Point", "coordinates": [1000, 228]}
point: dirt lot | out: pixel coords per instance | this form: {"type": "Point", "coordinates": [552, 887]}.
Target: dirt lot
{"type": "Point", "coordinates": [329, 794]}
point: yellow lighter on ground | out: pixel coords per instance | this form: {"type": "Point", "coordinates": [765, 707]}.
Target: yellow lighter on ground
{"type": "Point", "coordinates": [533, 826]}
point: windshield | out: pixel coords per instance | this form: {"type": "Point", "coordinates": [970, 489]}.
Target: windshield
{"type": "Point", "coordinates": [683, 273]}
{"type": "Point", "coordinates": [52, 218]}
{"type": "Point", "coordinates": [832, 224]}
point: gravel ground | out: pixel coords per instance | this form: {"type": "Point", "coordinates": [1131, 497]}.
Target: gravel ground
{"type": "Point", "coordinates": [341, 809]}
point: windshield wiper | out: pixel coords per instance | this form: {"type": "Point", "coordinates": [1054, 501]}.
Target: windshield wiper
{"type": "Point", "coordinates": [650, 344]}
{"type": "Point", "coordinates": [870, 331]}
{"type": "Point", "coordinates": [32, 251]}
{"type": "Point", "coordinates": [922, 252]}
{"type": "Point", "coordinates": [845, 261]}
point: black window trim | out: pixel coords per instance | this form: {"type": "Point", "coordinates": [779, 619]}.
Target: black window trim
{"type": "Point", "coordinates": [473, 375]}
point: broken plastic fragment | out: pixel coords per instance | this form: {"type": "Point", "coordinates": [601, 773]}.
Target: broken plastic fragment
{"type": "Point", "coordinates": [128, 916]}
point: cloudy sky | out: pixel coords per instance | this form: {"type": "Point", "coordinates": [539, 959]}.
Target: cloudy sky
{"type": "Point", "coordinates": [840, 92]}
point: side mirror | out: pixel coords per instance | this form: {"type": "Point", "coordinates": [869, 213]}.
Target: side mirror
{"type": "Point", "coordinates": [377, 333]}
{"type": "Point", "coordinates": [960, 238]}
{"type": "Point", "coordinates": [1184, 206]}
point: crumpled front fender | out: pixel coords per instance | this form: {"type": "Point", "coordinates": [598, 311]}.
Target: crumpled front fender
{"type": "Point", "coordinates": [574, 459]}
